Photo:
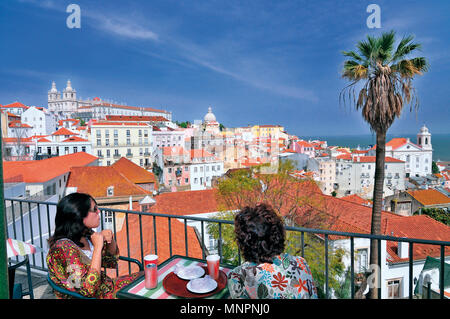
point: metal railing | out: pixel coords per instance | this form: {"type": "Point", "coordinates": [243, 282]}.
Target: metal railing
{"type": "Point", "coordinates": [30, 221]}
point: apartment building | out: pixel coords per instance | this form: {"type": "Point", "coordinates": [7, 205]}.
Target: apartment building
{"type": "Point", "coordinates": [113, 140]}
{"type": "Point", "coordinates": [326, 174]}
{"type": "Point", "coordinates": [356, 174]}
{"type": "Point", "coordinates": [204, 167]}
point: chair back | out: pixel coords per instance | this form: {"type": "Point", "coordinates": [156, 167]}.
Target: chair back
{"type": "Point", "coordinates": [65, 291]}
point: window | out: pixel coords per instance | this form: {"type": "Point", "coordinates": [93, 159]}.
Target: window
{"type": "Point", "coordinates": [128, 133]}
{"type": "Point", "coordinates": [394, 288]}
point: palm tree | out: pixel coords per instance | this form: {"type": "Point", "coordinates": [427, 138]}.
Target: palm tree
{"type": "Point", "coordinates": [383, 77]}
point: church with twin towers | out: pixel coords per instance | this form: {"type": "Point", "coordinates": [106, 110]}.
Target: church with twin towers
{"type": "Point", "coordinates": [67, 103]}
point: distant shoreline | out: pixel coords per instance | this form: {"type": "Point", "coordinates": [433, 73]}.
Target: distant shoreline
{"type": "Point", "coordinates": [440, 142]}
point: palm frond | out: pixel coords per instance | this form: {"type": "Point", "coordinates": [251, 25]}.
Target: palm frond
{"type": "Point", "coordinates": [353, 54]}
{"type": "Point", "coordinates": [404, 48]}
{"type": "Point", "coordinates": [421, 64]}
{"type": "Point", "coordinates": [385, 46]}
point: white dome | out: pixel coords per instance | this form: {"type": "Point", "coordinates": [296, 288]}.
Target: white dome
{"type": "Point", "coordinates": [209, 117]}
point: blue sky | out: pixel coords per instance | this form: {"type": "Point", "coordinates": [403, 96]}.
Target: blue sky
{"type": "Point", "coordinates": [254, 62]}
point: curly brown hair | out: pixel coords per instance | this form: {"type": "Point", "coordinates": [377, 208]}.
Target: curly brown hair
{"type": "Point", "coordinates": [260, 233]}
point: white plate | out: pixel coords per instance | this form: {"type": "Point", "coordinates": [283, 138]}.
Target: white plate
{"type": "Point", "coordinates": [201, 285]}
{"type": "Point", "coordinates": [192, 272]}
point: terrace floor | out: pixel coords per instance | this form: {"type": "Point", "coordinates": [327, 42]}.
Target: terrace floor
{"type": "Point", "coordinates": [41, 289]}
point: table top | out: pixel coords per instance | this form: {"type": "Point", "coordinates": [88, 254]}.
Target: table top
{"type": "Point", "coordinates": [136, 289]}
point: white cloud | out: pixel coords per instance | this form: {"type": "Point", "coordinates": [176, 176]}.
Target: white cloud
{"type": "Point", "coordinates": [122, 27]}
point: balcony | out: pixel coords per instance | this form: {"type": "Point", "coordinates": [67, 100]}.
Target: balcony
{"type": "Point", "coordinates": [30, 221]}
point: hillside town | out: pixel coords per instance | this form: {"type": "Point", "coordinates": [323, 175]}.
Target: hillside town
{"type": "Point", "coordinates": [139, 158]}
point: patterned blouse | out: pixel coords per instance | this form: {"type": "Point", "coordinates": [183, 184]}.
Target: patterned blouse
{"type": "Point", "coordinates": [69, 268]}
{"type": "Point", "coordinates": [288, 277]}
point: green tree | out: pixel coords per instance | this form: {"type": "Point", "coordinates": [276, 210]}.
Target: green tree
{"type": "Point", "coordinates": [386, 75]}
{"type": "Point", "coordinates": [434, 168]}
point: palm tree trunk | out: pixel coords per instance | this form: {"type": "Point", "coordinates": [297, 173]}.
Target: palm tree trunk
{"type": "Point", "coordinates": [377, 207]}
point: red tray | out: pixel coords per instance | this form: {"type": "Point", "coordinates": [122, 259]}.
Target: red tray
{"type": "Point", "coordinates": [177, 286]}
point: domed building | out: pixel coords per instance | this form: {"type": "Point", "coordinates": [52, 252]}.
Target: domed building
{"type": "Point", "coordinates": [210, 123]}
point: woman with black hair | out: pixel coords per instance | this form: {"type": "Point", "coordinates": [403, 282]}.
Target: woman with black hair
{"type": "Point", "coordinates": [77, 253]}
{"type": "Point", "coordinates": [267, 272]}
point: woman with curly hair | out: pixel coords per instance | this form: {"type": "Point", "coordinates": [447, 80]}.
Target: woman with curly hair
{"type": "Point", "coordinates": [77, 253]}
{"type": "Point", "coordinates": [267, 272]}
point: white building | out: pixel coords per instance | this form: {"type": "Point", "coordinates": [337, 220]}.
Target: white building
{"type": "Point", "coordinates": [42, 122]}
{"type": "Point", "coordinates": [204, 167]}
{"type": "Point", "coordinates": [47, 147]}
{"type": "Point", "coordinates": [356, 175]}
{"type": "Point", "coordinates": [66, 104]}
{"type": "Point", "coordinates": [113, 140]}
{"type": "Point", "coordinates": [418, 157]}
{"type": "Point", "coordinates": [165, 136]}
{"type": "Point", "coordinates": [326, 174]}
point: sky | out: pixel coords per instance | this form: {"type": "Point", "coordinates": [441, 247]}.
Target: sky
{"type": "Point", "coordinates": [254, 62]}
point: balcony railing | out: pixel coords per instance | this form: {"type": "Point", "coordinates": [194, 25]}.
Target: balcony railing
{"type": "Point", "coordinates": [32, 221]}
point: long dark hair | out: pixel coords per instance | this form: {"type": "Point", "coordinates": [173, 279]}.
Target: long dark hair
{"type": "Point", "coordinates": [70, 212]}
{"type": "Point", "coordinates": [260, 233]}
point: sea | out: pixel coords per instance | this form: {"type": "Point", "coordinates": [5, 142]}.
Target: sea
{"type": "Point", "coordinates": [439, 142]}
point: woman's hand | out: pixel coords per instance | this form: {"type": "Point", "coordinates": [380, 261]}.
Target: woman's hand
{"type": "Point", "coordinates": [97, 240]}
{"type": "Point", "coordinates": [111, 244]}
{"type": "Point", "coordinates": [107, 235]}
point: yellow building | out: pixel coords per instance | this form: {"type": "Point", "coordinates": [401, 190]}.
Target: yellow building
{"type": "Point", "coordinates": [112, 140]}
{"type": "Point", "coordinates": [267, 131]}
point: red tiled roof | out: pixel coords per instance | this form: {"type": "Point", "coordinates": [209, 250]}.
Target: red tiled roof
{"type": "Point", "coordinates": [186, 203]}
{"type": "Point", "coordinates": [371, 159]}
{"type": "Point", "coordinates": [46, 169]}
{"type": "Point", "coordinates": [418, 226]}
{"type": "Point", "coordinates": [133, 172]}
{"type": "Point", "coordinates": [95, 180]}
{"type": "Point", "coordinates": [18, 124]}
{"type": "Point", "coordinates": [397, 142]}
{"type": "Point", "coordinates": [16, 104]}
{"type": "Point", "coordinates": [429, 197]}
{"type": "Point", "coordinates": [74, 139]}
{"type": "Point", "coordinates": [357, 199]}
{"type": "Point", "coordinates": [64, 131]}
{"type": "Point", "coordinates": [348, 216]}
{"type": "Point", "coordinates": [136, 118]}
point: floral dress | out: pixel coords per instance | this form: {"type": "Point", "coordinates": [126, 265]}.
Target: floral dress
{"type": "Point", "coordinates": [69, 268]}
{"type": "Point", "coordinates": [288, 277]}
